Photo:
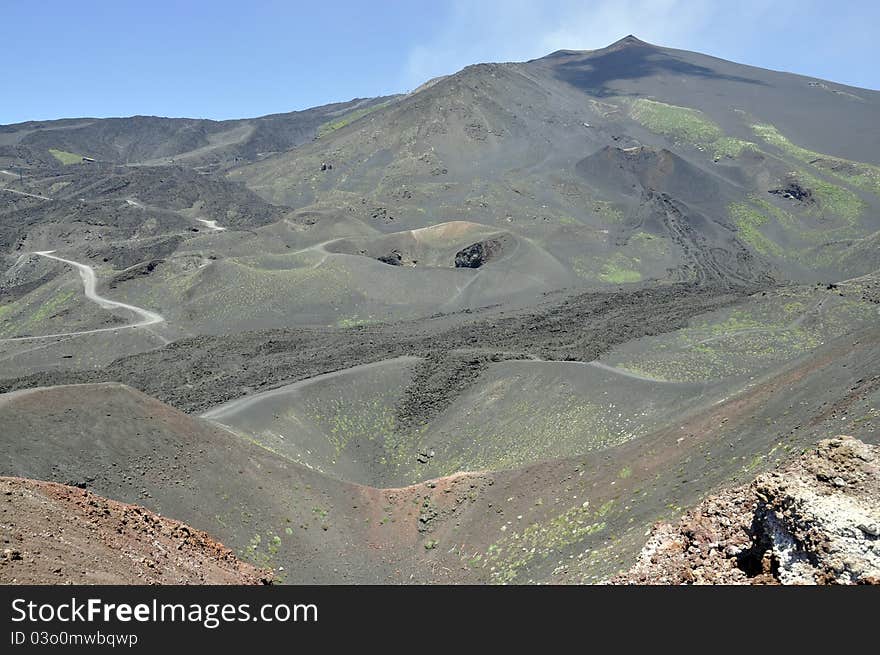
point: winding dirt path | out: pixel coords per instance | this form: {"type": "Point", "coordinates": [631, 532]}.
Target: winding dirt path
{"type": "Point", "coordinates": [87, 273]}
{"type": "Point", "coordinates": [210, 224]}
{"type": "Point", "coordinates": [321, 249]}
{"type": "Point", "coordinates": [605, 367]}
{"type": "Point", "coordinates": [239, 404]}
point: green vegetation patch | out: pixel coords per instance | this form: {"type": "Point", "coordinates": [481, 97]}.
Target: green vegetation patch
{"type": "Point", "coordinates": [347, 420]}
{"type": "Point", "coordinates": [859, 174]}
{"type": "Point", "coordinates": [835, 199]}
{"type": "Point", "coordinates": [263, 552]}
{"type": "Point", "coordinates": [687, 125]}
{"type": "Point", "coordinates": [353, 321]}
{"type": "Point", "coordinates": [54, 304]}
{"type": "Point", "coordinates": [644, 255]}
{"type": "Point", "coordinates": [508, 556]}
{"type": "Point", "coordinates": [65, 157]}
{"type": "Point", "coordinates": [679, 123]}
{"type": "Point", "coordinates": [513, 420]}
{"type": "Point", "coordinates": [772, 136]}
{"type": "Point", "coordinates": [33, 314]}
{"type": "Point", "coordinates": [748, 220]}
{"type": "Point", "coordinates": [731, 147]}
{"type": "Point", "coordinates": [346, 119]}
{"type": "Point", "coordinates": [767, 332]}
{"type": "Point", "coordinates": [617, 271]}
{"type": "Point", "coordinates": [754, 214]}
{"type": "Point", "coordinates": [607, 211]}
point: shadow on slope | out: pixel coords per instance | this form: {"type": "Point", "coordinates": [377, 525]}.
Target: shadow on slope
{"type": "Point", "coordinates": [628, 59]}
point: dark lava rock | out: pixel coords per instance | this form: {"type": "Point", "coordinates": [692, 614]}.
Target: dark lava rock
{"type": "Point", "coordinates": [477, 254]}
{"type": "Point", "coordinates": [381, 214]}
{"type": "Point", "coordinates": [393, 258]}
{"type": "Point", "coordinates": [793, 190]}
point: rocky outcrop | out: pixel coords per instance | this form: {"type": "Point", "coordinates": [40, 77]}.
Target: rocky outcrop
{"type": "Point", "coordinates": [477, 254]}
{"type": "Point", "coordinates": [394, 258]}
{"type": "Point", "coordinates": [794, 190]}
{"type": "Point", "coordinates": [816, 521]}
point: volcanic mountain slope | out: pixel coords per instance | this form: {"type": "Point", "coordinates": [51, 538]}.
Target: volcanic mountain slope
{"type": "Point", "coordinates": [151, 139]}
{"type": "Point", "coordinates": [579, 518]}
{"type": "Point", "coordinates": [130, 226]}
{"type": "Point", "coordinates": [202, 372]}
{"type": "Point", "coordinates": [538, 148]}
{"type": "Point", "coordinates": [212, 256]}
{"type": "Point", "coordinates": [103, 205]}
{"type": "Point", "coordinates": [53, 534]}
{"type": "Point", "coordinates": [492, 330]}
{"type": "Point", "coordinates": [498, 184]}
{"type": "Point", "coordinates": [129, 447]}
{"type": "Point", "coordinates": [721, 88]}
{"type": "Point", "coordinates": [308, 473]}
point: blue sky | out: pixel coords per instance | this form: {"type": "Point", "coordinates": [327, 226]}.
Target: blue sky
{"type": "Point", "coordinates": [224, 59]}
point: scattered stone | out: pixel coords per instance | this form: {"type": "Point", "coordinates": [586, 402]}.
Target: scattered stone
{"type": "Point", "coordinates": [11, 555]}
